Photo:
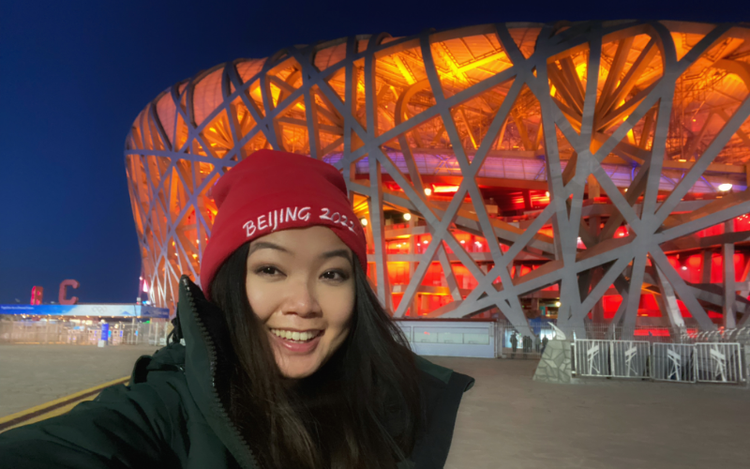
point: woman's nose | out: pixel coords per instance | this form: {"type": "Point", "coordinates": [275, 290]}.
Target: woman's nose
{"type": "Point", "coordinates": [301, 300]}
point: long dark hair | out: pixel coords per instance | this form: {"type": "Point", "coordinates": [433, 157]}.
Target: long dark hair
{"type": "Point", "coordinates": [362, 409]}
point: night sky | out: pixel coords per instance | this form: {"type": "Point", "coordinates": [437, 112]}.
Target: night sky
{"type": "Point", "coordinates": [74, 75]}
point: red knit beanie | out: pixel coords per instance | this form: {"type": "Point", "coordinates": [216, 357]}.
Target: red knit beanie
{"type": "Point", "coordinates": [272, 191]}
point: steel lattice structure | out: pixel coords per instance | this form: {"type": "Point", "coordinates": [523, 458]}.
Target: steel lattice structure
{"type": "Point", "coordinates": [627, 128]}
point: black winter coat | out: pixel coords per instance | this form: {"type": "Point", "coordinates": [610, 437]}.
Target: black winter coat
{"type": "Point", "coordinates": [171, 416]}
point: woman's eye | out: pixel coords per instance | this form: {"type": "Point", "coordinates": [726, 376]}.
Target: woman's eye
{"type": "Point", "coordinates": [268, 270]}
{"type": "Point", "coordinates": [335, 275]}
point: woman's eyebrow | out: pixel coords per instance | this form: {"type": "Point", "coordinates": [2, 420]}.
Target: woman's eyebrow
{"type": "Point", "coordinates": [267, 245]}
{"type": "Point", "coordinates": [337, 253]}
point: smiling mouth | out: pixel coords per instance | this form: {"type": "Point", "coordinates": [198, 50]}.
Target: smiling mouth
{"type": "Point", "coordinates": [296, 336]}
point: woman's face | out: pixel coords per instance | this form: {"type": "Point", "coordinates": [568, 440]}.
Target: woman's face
{"type": "Point", "coordinates": [300, 283]}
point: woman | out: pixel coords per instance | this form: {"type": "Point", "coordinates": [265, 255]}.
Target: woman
{"type": "Point", "coordinates": [287, 361]}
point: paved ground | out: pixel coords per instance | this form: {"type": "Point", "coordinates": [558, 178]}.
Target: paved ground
{"type": "Point", "coordinates": [509, 421]}
{"type": "Point", "coordinates": [31, 375]}
{"type": "Point", "coordinates": [506, 421]}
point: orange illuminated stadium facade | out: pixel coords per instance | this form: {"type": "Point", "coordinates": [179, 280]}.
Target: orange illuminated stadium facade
{"type": "Point", "coordinates": [591, 172]}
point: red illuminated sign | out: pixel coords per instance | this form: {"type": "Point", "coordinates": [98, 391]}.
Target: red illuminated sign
{"type": "Point", "coordinates": [37, 295]}
{"type": "Point", "coordinates": [63, 292]}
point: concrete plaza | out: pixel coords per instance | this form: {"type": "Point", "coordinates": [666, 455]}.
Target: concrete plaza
{"type": "Point", "coordinates": [506, 421]}
{"type": "Point", "coordinates": [509, 421]}
{"type": "Point", "coordinates": [31, 375]}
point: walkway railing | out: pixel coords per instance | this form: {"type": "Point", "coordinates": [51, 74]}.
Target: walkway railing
{"type": "Point", "coordinates": [673, 362]}
{"type": "Point", "coordinates": [63, 333]}
{"type": "Point", "coordinates": [718, 363]}
{"type": "Point", "coordinates": [612, 358]}
{"type": "Point", "coordinates": [707, 362]}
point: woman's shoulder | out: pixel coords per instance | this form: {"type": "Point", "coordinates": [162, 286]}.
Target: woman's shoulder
{"type": "Point", "coordinates": [168, 358]}
{"type": "Point", "coordinates": [441, 374]}
{"type": "Point", "coordinates": [164, 374]}
{"type": "Point", "coordinates": [442, 390]}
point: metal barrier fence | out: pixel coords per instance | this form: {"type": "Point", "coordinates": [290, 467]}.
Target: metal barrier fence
{"type": "Point", "coordinates": [629, 358]}
{"type": "Point", "coordinates": [652, 334]}
{"type": "Point", "coordinates": [592, 357]}
{"type": "Point", "coordinates": [612, 358]}
{"type": "Point", "coordinates": [673, 362]}
{"type": "Point", "coordinates": [64, 333]}
{"type": "Point", "coordinates": [737, 335]}
{"type": "Point", "coordinates": [687, 363]}
{"type": "Point", "coordinates": [718, 363]}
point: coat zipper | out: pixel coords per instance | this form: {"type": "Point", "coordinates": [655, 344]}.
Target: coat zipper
{"type": "Point", "coordinates": [215, 399]}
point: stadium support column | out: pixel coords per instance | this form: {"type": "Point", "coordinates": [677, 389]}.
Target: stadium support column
{"type": "Point", "coordinates": [377, 221]}
{"type": "Point", "coordinates": [412, 267]}
{"type": "Point", "coordinates": [667, 302]}
{"type": "Point", "coordinates": [706, 272]}
{"type": "Point", "coordinates": [727, 251]}
{"type": "Point", "coordinates": [594, 191]}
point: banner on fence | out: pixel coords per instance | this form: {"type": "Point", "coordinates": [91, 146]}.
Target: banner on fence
{"type": "Point", "coordinates": [450, 338]}
{"type": "Point", "coordinates": [106, 311]}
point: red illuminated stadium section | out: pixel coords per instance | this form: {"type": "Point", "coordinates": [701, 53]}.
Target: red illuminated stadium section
{"type": "Point", "coordinates": [694, 266]}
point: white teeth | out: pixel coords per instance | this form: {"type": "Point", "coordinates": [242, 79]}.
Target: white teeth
{"type": "Point", "coordinates": [296, 336]}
